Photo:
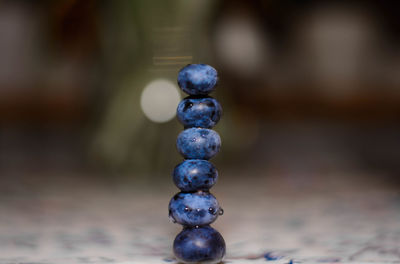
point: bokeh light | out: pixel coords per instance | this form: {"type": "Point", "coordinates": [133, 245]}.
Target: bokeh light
{"type": "Point", "coordinates": [159, 100]}
{"type": "Point", "coordinates": [241, 46]}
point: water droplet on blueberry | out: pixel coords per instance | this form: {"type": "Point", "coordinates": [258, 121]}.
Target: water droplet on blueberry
{"type": "Point", "coordinates": [193, 208]}
{"type": "Point", "coordinates": [212, 210]}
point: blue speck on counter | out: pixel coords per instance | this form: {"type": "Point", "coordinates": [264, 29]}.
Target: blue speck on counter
{"type": "Point", "coordinates": [270, 256]}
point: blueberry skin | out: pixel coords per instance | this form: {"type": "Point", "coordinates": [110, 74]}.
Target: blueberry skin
{"type": "Point", "coordinates": [202, 112]}
{"type": "Point", "coordinates": [203, 244]}
{"type": "Point", "coordinates": [197, 79]}
{"type": "Point", "coordinates": [194, 209]}
{"type": "Point", "coordinates": [193, 175]}
{"type": "Point", "coordinates": [198, 143]}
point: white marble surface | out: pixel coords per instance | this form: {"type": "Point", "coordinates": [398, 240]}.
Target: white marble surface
{"type": "Point", "coordinates": [70, 222]}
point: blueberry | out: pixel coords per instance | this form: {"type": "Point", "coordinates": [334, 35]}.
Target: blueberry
{"type": "Point", "coordinates": [198, 143]}
{"type": "Point", "coordinates": [193, 175]}
{"type": "Point", "coordinates": [202, 112]}
{"type": "Point", "coordinates": [203, 244]}
{"type": "Point", "coordinates": [197, 79]}
{"type": "Point", "coordinates": [194, 209]}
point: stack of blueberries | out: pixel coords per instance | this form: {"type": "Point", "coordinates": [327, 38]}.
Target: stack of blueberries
{"type": "Point", "coordinates": [195, 207]}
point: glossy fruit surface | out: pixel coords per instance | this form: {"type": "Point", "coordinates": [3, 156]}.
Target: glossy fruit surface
{"type": "Point", "coordinates": [202, 112]}
{"type": "Point", "coordinates": [194, 209]}
{"type": "Point", "coordinates": [198, 143]}
{"type": "Point", "coordinates": [203, 244]}
{"type": "Point", "coordinates": [197, 79]}
{"type": "Point", "coordinates": [193, 175]}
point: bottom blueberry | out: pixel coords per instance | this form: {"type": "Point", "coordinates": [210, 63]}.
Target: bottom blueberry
{"type": "Point", "coordinates": [201, 244]}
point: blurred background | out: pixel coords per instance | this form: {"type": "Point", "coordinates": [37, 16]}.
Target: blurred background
{"type": "Point", "coordinates": [310, 91]}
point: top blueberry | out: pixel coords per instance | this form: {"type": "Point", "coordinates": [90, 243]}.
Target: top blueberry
{"type": "Point", "coordinates": [197, 79]}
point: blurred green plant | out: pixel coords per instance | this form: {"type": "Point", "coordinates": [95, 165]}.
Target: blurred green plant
{"type": "Point", "coordinates": [142, 41]}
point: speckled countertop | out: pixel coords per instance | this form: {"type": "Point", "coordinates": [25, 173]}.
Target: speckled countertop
{"type": "Point", "coordinates": [76, 222]}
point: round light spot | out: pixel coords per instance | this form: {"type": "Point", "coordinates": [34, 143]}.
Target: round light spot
{"type": "Point", "coordinates": [241, 46]}
{"type": "Point", "coordinates": [159, 100]}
